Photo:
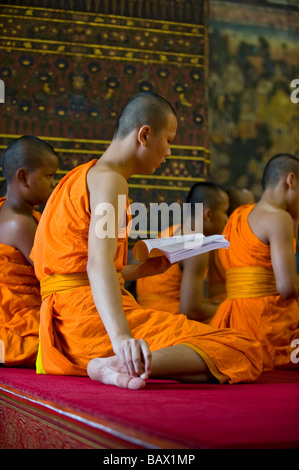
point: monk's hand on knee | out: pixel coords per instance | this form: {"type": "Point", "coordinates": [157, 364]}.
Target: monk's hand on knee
{"type": "Point", "coordinates": [135, 356]}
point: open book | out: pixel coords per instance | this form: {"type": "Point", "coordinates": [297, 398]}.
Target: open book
{"type": "Point", "coordinates": [178, 248]}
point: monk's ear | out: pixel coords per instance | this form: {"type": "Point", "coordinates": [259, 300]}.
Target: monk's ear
{"type": "Point", "coordinates": [143, 134]}
{"type": "Point", "coordinates": [207, 214]}
{"type": "Point", "coordinates": [22, 176]}
{"type": "Point", "coordinates": [291, 180]}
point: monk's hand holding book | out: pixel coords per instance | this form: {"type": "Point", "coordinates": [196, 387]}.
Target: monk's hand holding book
{"type": "Point", "coordinates": [153, 266]}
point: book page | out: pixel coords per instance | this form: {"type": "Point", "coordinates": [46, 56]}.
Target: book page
{"type": "Point", "coordinates": [161, 243]}
{"type": "Point", "coordinates": [200, 247]}
{"type": "Point", "coordinates": [174, 254]}
{"type": "Point", "coordinates": [177, 248]}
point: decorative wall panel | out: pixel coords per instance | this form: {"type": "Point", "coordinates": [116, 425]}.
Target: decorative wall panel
{"type": "Point", "coordinates": [67, 75]}
{"type": "Point", "coordinates": [254, 57]}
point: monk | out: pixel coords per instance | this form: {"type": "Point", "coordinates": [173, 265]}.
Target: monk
{"type": "Point", "coordinates": [216, 274]}
{"type": "Point", "coordinates": [261, 278]}
{"type": "Point", "coordinates": [29, 165]}
{"type": "Point", "coordinates": [181, 288]}
{"type": "Point", "coordinates": [90, 324]}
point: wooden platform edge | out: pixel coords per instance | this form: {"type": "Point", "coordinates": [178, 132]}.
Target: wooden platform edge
{"type": "Point", "coordinates": [29, 422]}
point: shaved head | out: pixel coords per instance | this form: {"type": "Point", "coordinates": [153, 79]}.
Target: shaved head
{"type": "Point", "coordinates": [208, 193]}
{"type": "Point", "coordinates": [25, 152]}
{"type": "Point", "coordinates": [143, 109]}
{"type": "Point", "coordinates": [239, 197]}
{"type": "Point", "coordinates": [278, 166]}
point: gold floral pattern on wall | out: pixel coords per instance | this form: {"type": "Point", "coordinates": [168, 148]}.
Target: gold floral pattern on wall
{"type": "Point", "coordinates": [68, 74]}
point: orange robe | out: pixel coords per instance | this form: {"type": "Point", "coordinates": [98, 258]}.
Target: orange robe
{"type": "Point", "coordinates": [253, 306]}
{"type": "Point", "coordinates": [163, 291]}
{"type": "Point", "coordinates": [71, 330]}
{"type": "Point", "coordinates": [19, 307]}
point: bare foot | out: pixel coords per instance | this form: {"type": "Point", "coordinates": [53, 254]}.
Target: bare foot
{"type": "Point", "coordinates": [109, 371]}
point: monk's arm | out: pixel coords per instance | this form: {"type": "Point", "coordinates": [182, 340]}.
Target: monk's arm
{"type": "Point", "coordinates": [217, 285]}
{"type": "Point", "coordinates": [192, 301]}
{"type": "Point", "coordinates": [133, 353]}
{"type": "Point", "coordinates": [281, 237]}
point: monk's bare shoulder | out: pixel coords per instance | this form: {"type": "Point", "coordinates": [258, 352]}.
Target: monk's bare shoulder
{"type": "Point", "coordinates": [104, 178]}
{"type": "Point", "coordinates": [266, 220]}
{"type": "Point", "coordinates": [18, 230]}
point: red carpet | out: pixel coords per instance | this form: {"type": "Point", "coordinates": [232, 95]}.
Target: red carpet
{"type": "Point", "coordinates": [168, 414]}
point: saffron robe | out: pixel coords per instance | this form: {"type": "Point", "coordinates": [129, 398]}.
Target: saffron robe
{"type": "Point", "coordinates": [71, 330]}
{"type": "Point", "coordinates": [162, 291]}
{"type": "Point", "coordinates": [253, 305]}
{"type": "Point", "coordinates": [19, 307]}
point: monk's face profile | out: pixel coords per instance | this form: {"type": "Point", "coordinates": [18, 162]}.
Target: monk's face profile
{"type": "Point", "coordinates": [218, 217]}
{"type": "Point", "coordinates": [156, 145]}
{"type": "Point", "coordinates": [41, 180]}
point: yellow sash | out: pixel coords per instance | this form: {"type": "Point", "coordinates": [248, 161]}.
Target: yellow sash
{"type": "Point", "coordinates": [250, 282]}
{"type": "Point", "coordinates": [59, 283]}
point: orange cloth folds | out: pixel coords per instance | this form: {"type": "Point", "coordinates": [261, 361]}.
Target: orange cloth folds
{"type": "Point", "coordinates": [71, 330]}
{"type": "Point", "coordinates": [254, 306]}
{"type": "Point", "coordinates": [19, 307]}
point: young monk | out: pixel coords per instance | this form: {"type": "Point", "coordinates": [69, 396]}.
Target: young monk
{"type": "Point", "coordinates": [181, 288]}
{"type": "Point", "coordinates": [261, 278]}
{"type": "Point", "coordinates": [89, 323]}
{"type": "Point", "coordinates": [29, 165]}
